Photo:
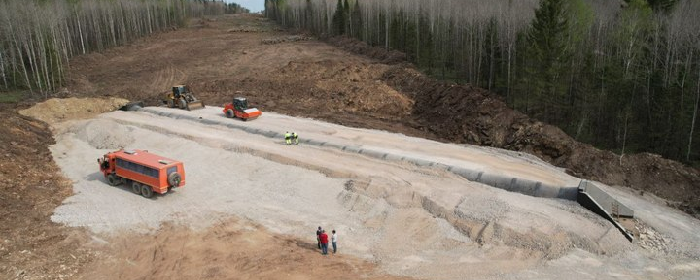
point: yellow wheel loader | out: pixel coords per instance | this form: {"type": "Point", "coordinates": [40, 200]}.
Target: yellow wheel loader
{"type": "Point", "coordinates": [183, 98]}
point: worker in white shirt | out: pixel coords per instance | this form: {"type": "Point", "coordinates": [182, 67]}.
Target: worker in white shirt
{"type": "Point", "coordinates": [334, 240]}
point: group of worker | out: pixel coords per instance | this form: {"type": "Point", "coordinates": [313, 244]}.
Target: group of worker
{"type": "Point", "coordinates": [322, 239]}
{"type": "Point", "coordinates": [290, 138]}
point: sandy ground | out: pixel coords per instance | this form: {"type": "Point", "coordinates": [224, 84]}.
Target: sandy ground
{"type": "Point", "coordinates": [410, 221]}
{"type": "Point", "coordinates": [230, 249]}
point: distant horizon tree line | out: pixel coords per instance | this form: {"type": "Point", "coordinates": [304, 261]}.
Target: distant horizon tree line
{"type": "Point", "coordinates": [621, 75]}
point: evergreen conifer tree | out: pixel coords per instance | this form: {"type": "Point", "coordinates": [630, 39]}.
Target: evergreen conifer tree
{"type": "Point", "coordinates": [357, 20]}
{"type": "Point", "coordinates": [339, 19]}
{"type": "Point", "coordinates": [547, 55]}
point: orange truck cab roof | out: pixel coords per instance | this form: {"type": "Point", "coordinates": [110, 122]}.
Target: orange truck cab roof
{"type": "Point", "coordinates": [145, 158]}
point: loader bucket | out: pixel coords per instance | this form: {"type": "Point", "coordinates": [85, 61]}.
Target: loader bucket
{"type": "Point", "coordinates": [195, 105]}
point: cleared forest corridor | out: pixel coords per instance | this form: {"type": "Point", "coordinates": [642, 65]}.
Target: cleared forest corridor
{"type": "Point", "coordinates": [374, 135]}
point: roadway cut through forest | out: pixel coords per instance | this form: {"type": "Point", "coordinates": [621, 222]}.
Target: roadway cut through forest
{"type": "Point", "coordinates": [397, 218]}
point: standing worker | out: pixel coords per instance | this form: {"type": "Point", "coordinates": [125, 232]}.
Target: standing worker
{"type": "Point", "coordinates": [288, 138]}
{"type": "Point", "coordinates": [324, 242]}
{"type": "Point", "coordinates": [295, 138]}
{"type": "Point", "coordinates": [318, 237]}
{"type": "Point", "coordinates": [334, 239]}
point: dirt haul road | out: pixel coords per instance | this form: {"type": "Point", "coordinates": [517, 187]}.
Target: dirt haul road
{"type": "Point", "coordinates": [413, 221]}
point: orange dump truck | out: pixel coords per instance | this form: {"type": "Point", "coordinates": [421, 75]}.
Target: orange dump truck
{"type": "Point", "coordinates": [145, 172]}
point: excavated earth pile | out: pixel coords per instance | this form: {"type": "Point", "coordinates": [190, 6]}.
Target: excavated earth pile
{"type": "Point", "coordinates": [31, 187]}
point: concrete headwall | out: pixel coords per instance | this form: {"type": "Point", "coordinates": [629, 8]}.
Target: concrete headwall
{"type": "Point", "coordinates": [608, 203]}
{"type": "Point", "coordinates": [588, 202]}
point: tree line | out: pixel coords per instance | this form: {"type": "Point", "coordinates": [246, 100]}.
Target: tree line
{"type": "Point", "coordinates": [621, 75]}
{"type": "Point", "coordinates": [38, 37]}
{"type": "Point", "coordinates": [234, 8]}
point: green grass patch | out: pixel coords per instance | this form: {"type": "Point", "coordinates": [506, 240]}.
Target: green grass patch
{"type": "Point", "coordinates": [11, 96]}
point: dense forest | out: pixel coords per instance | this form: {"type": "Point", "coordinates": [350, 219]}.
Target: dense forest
{"type": "Point", "coordinates": [621, 75]}
{"type": "Point", "coordinates": [235, 8]}
{"type": "Point", "coordinates": [37, 37]}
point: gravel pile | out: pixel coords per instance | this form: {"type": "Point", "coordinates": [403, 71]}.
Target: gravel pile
{"type": "Point", "coordinates": [56, 110]}
{"type": "Point", "coordinates": [104, 134]}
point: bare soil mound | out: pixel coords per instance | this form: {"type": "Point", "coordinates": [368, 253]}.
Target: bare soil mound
{"type": "Point", "coordinates": [30, 189]}
{"type": "Point", "coordinates": [57, 110]}
{"type": "Point", "coordinates": [381, 54]}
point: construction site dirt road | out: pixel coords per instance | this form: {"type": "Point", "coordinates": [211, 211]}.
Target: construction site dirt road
{"type": "Point", "coordinates": [252, 203]}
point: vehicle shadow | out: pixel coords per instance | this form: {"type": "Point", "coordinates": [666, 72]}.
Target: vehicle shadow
{"type": "Point", "coordinates": [98, 176]}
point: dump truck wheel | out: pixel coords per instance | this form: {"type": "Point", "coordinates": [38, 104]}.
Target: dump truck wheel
{"type": "Point", "coordinates": [136, 187]}
{"type": "Point", "coordinates": [146, 191]}
{"type": "Point", "coordinates": [113, 180]}
{"type": "Point", "coordinates": [183, 104]}
{"type": "Point", "coordinates": [174, 179]}
{"type": "Point", "coordinates": [230, 114]}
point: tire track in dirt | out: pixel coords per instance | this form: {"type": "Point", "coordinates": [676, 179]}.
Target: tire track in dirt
{"type": "Point", "coordinates": [166, 79]}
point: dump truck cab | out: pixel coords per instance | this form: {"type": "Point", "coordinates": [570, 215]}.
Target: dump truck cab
{"type": "Point", "coordinates": [146, 173]}
{"type": "Point", "coordinates": [106, 164]}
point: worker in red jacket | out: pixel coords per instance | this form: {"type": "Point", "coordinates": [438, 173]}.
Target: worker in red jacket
{"type": "Point", "coordinates": [324, 242]}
